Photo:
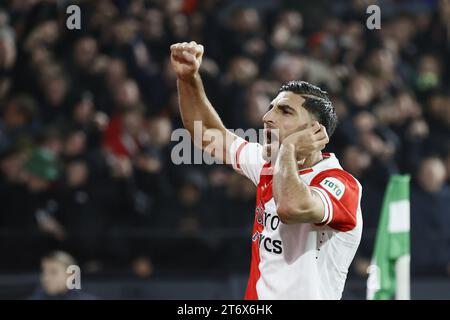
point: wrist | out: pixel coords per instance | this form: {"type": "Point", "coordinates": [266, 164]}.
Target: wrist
{"type": "Point", "coordinates": [287, 147]}
{"type": "Point", "coordinates": [288, 151]}
{"type": "Point", "coordinates": [190, 79]}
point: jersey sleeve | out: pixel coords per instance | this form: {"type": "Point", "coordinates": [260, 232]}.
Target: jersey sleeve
{"type": "Point", "coordinates": [340, 194]}
{"type": "Point", "coordinates": [247, 158]}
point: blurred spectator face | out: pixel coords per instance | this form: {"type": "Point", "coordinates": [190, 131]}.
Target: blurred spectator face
{"type": "Point", "coordinates": [55, 90]}
{"type": "Point", "coordinates": [7, 49]}
{"type": "Point", "coordinates": [49, 31]}
{"type": "Point", "coordinates": [418, 129]}
{"type": "Point", "coordinates": [18, 112]}
{"type": "Point", "coordinates": [105, 11]}
{"type": "Point", "coordinates": [23, 5]}
{"type": "Point", "coordinates": [429, 64]}
{"type": "Point", "coordinates": [142, 267]}
{"type": "Point", "coordinates": [218, 177]}
{"type": "Point", "coordinates": [403, 30]}
{"type": "Point", "coordinates": [429, 72]}
{"type": "Point", "coordinates": [439, 108]}
{"type": "Point", "coordinates": [121, 166]}
{"type": "Point", "coordinates": [77, 174]}
{"type": "Point", "coordinates": [352, 34]}
{"type": "Point", "coordinates": [153, 24]}
{"type": "Point", "coordinates": [11, 166]}
{"type": "Point", "coordinates": [127, 94]}
{"type": "Point", "coordinates": [160, 130]}
{"type": "Point", "coordinates": [359, 6]}
{"type": "Point", "coordinates": [382, 63]}
{"type": "Point", "coordinates": [364, 121]}
{"type": "Point", "coordinates": [280, 37]}
{"type": "Point", "coordinates": [323, 46]}
{"type": "Point", "coordinates": [83, 111]}
{"type": "Point", "coordinates": [172, 6]}
{"type": "Point", "coordinates": [36, 184]}
{"type": "Point", "coordinates": [283, 38]}
{"type": "Point", "coordinates": [355, 160]}
{"type": "Point", "coordinates": [287, 67]}
{"type": "Point", "coordinates": [75, 144]}
{"type": "Point", "coordinates": [292, 19]}
{"type": "Point", "coordinates": [243, 70]}
{"type": "Point", "coordinates": [5, 86]}
{"type": "Point", "coordinates": [255, 47]}
{"type": "Point", "coordinates": [133, 122]}
{"type": "Point", "coordinates": [148, 163]}
{"type": "Point", "coordinates": [116, 72]}
{"type": "Point", "coordinates": [189, 195]}
{"type": "Point", "coordinates": [285, 34]}
{"type": "Point", "coordinates": [333, 26]}
{"type": "Point", "coordinates": [444, 10]}
{"type": "Point", "coordinates": [51, 141]}
{"type": "Point", "coordinates": [40, 56]}
{"type": "Point", "coordinates": [406, 106]}
{"type": "Point", "coordinates": [384, 150]}
{"type": "Point", "coordinates": [360, 91]}
{"type": "Point", "coordinates": [53, 277]}
{"type": "Point", "coordinates": [432, 174]}
{"type": "Point", "coordinates": [13, 118]}
{"type": "Point", "coordinates": [124, 31]}
{"type": "Point", "coordinates": [85, 51]}
{"type": "Point", "coordinates": [196, 22]}
{"type": "Point", "coordinates": [179, 26]}
{"type": "Point", "coordinates": [246, 20]}
{"type": "Point", "coordinates": [256, 108]}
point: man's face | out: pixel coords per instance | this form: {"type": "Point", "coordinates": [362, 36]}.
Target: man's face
{"type": "Point", "coordinates": [284, 117]}
{"type": "Point", "coordinates": [53, 277]}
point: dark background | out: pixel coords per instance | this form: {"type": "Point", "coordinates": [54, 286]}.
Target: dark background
{"type": "Point", "coordinates": [86, 117]}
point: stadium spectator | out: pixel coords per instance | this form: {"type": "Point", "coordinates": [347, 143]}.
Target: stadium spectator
{"type": "Point", "coordinates": [87, 115]}
{"type": "Point", "coordinates": [54, 278]}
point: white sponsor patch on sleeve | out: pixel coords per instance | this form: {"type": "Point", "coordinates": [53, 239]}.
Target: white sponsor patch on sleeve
{"type": "Point", "coordinates": [333, 186]}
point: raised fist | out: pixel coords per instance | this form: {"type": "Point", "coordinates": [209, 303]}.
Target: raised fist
{"type": "Point", "coordinates": [186, 58]}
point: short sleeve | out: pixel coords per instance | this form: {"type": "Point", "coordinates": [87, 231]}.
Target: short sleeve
{"type": "Point", "coordinates": [340, 194]}
{"type": "Point", "coordinates": [247, 158]}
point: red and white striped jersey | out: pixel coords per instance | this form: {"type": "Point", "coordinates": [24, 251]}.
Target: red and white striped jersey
{"type": "Point", "coordinates": [304, 260]}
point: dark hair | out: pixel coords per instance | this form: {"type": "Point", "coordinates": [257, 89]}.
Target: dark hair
{"type": "Point", "coordinates": [61, 257]}
{"type": "Point", "coordinates": [316, 101]}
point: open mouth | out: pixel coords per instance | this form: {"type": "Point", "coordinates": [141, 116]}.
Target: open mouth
{"type": "Point", "coordinates": [270, 135]}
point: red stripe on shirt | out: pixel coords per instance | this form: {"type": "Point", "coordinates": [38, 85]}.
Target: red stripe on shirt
{"type": "Point", "coordinates": [264, 194]}
{"type": "Point", "coordinates": [238, 153]}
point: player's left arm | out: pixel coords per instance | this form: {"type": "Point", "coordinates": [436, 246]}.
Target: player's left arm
{"type": "Point", "coordinates": [295, 201]}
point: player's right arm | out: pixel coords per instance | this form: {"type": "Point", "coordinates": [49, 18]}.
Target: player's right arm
{"type": "Point", "coordinates": [186, 59]}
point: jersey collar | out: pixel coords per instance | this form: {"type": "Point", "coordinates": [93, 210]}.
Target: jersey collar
{"type": "Point", "coordinates": [329, 161]}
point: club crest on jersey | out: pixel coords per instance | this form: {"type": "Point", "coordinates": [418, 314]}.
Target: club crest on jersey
{"type": "Point", "coordinates": [333, 186]}
{"type": "Point", "coordinates": [259, 213]}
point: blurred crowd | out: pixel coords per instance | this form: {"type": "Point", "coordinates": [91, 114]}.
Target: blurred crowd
{"type": "Point", "coordinates": [86, 118]}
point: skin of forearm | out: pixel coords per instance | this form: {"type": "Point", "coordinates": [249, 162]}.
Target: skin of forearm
{"type": "Point", "coordinates": [292, 196]}
{"type": "Point", "coordinates": [195, 106]}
